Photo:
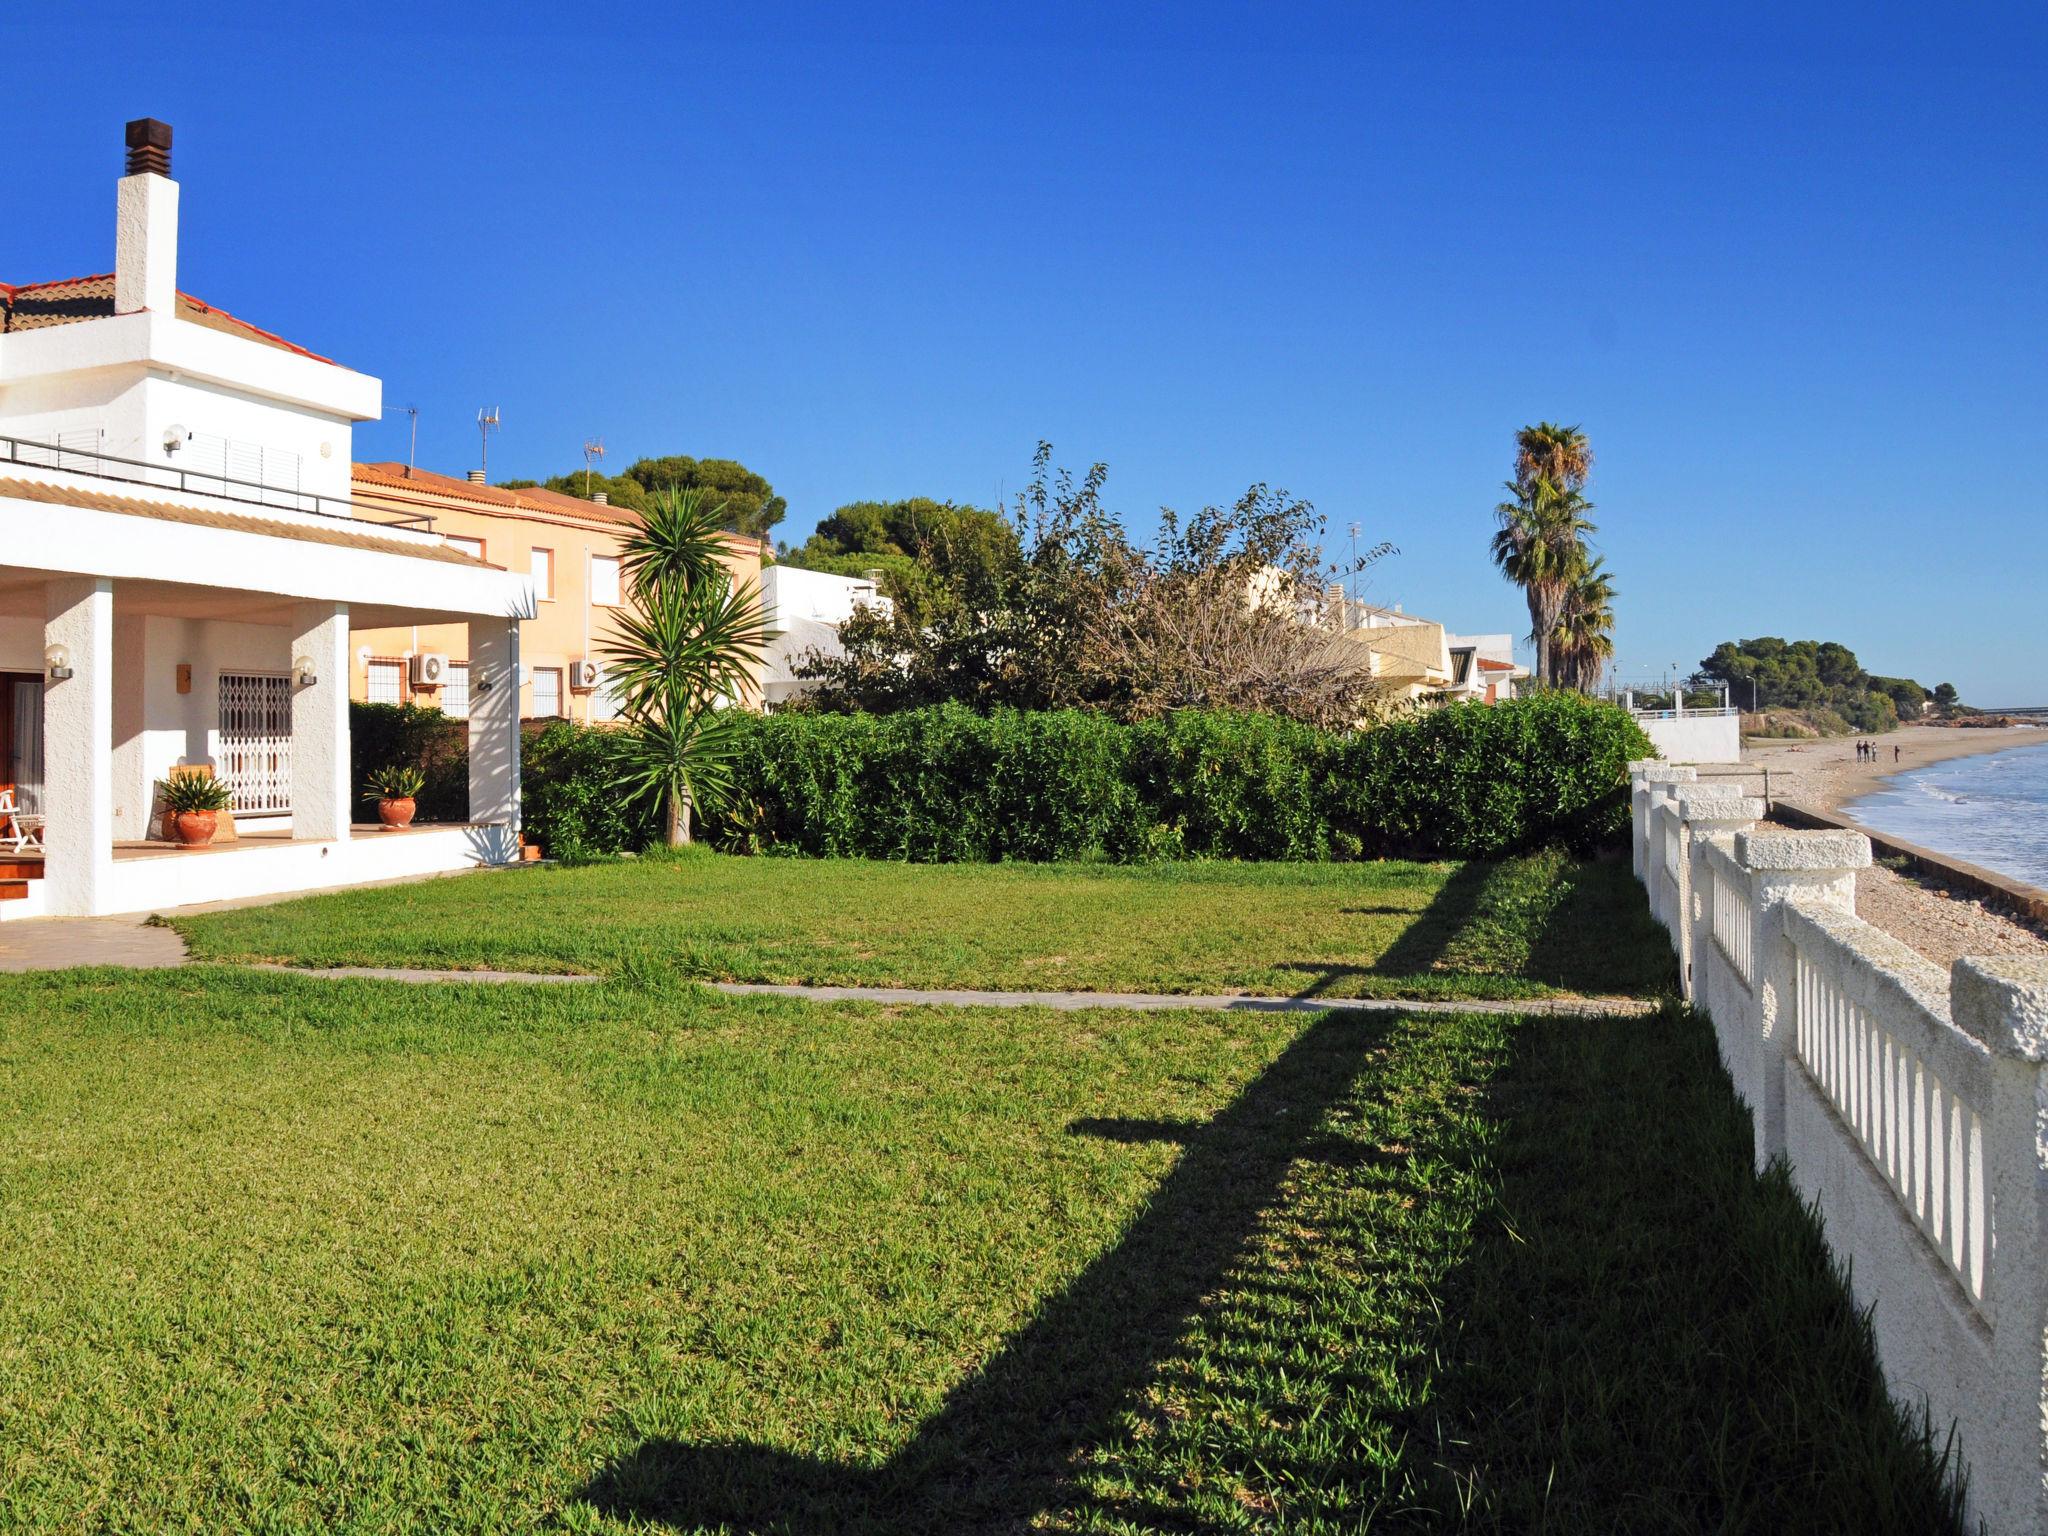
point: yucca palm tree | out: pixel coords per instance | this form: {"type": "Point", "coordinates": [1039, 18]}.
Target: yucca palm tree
{"type": "Point", "coordinates": [1540, 547]}
{"type": "Point", "coordinates": [1583, 642]}
{"type": "Point", "coordinates": [1550, 452]}
{"type": "Point", "coordinates": [678, 658]}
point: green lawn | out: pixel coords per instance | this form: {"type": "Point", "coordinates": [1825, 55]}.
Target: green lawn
{"type": "Point", "coordinates": [288, 1255]}
{"type": "Point", "coordinates": [1530, 927]}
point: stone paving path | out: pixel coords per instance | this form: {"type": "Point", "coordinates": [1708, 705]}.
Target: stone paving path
{"type": "Point", "coordinates": [413, 973]}
{"type": "Point", "coordinates": [1213, 1002]}
{"type": "Point", "coordinates": [59, 943]}
{"type": "Point", "coordinates": [55, 944]}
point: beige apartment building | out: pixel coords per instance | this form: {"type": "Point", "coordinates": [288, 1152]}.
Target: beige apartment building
{"type": "Point", "coordinates": [571, 548]}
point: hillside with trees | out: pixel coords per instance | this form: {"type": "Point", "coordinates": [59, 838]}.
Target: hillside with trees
{"type": "Point", "coordinates": [751, 505]}
{"type": "Point", "coordinates": [1818, 686]}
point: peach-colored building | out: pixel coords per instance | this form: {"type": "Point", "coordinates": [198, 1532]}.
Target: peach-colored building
{"type": "Point", "coordinates": [570, 547]}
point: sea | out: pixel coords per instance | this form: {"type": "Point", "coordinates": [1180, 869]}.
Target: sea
{"type": "Point", "coordinates": [1990, 810]}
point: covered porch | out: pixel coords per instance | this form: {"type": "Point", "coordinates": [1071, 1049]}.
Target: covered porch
{"type": "Point", "coordinates": [115, 677]}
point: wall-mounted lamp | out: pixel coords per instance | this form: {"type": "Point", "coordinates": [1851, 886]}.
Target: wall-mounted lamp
{"type": "Point", "coordinates": [303, 666]}
{"type": "Point", "coordinates": [57, 660]}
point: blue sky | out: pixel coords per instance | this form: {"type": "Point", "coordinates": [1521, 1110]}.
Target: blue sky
{"type": "Point", "coordinates": [1791, 275]}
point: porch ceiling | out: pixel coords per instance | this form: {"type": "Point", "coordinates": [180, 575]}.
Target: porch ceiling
{"type": "Point", "coordinates": [21, 596]}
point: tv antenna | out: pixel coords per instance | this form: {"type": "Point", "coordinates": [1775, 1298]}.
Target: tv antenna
{"type": "Point", "coordinates": [412, 453]}
{"type": "Point", "coordinates": [1354, 563]}
{"type": "Point", "coordinates": [486, 424]}
{"type": "Point", "coordinates": [593, 450]}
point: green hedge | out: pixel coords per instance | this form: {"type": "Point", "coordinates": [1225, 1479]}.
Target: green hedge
{"type": "Point", "coordinates": [567, 800]}
{"type": "Point", "coordinates": [948, 785]}
{"type": "Point", "coordinates": [1466, 781]}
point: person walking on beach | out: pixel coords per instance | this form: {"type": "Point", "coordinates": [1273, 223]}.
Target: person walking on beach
{"type": "Point", "coordinates": [1895, 752]}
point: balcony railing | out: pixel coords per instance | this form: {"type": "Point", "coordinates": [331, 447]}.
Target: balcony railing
{"type": "Point", "coordinates": [198, 482]}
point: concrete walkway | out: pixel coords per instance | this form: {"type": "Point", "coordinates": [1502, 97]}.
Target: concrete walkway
{"type": "Point", "coordinates": [1568, 1007]}
{"type": "Point", "coordinates": [60, 943]}
{"type": "Point", "coordinates": [413, 973]}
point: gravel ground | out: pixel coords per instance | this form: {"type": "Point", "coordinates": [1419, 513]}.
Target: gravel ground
{"type": "Point", "coordinates": [1940, 924]}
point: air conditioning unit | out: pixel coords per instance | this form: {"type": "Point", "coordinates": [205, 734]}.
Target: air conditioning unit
{"type": "Point", "coordinates": [429, 669]}
{"type": "Point", "coordinates": [584, 674]}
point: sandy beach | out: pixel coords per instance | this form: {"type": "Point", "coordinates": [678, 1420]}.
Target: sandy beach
{"type": "Point", "coordinates": [1826, 775]}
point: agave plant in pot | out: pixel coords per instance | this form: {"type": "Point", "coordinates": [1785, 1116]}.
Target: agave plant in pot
{"type": "Point", "coordinates": [396, 791]}
{"type": "Point", "coordinates": [192, 805]}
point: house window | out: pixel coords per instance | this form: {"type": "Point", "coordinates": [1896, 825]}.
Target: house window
{"type": "Point", "coordinates": [604, 698]}
{"type": "Point", "coordinates": [256, 740]}
{"type": "Point", "coordinates": [547, 691]}
{"type": "Point", "coordinates": [604, 580]}
{"type": "Point", "coordinates": [543, 568]}
{"type": "Point", "coordinates": [455, 690]}
{"type": "Point", "coordinates": [467, 545]}
{"type": "Point", "coordinates": [386, 683]}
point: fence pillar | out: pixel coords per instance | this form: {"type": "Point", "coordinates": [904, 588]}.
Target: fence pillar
{"type": "Point", "coordinates": [1816, 867]}
{"type": "Point", "coordinates": [1703, 810]}
{"type": "Point", "coordinates": [1644, 776]}
{"type": "Point", "coordinates": [2004, 1003]}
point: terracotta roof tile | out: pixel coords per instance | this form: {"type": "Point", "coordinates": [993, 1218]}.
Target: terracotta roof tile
{"type": "Point", "coordinates": [237, 522]}
{"type": "Point", "coordinates": [67, 300]}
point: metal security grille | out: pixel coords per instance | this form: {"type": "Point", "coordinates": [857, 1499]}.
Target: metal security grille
{"type": "Point", "coordinates": [256, 740]}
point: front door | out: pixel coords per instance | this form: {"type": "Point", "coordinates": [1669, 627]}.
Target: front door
{"type": "Point", "coordinates": [21, 737]}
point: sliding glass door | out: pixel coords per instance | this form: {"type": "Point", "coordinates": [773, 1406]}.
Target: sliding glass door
{"type": "Point", "coordinates": [21, 737]}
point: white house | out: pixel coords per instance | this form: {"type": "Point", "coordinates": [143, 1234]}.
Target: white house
{"type": "Point", "coordinates": [180, 569]}
{"type": "Point", "coordinates": [804, 610]}
{"type": "Point", "coordinates": [1483, 668]}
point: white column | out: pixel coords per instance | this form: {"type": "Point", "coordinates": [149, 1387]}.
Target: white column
{"type": "Point", "coordinates": [494, 732]}
{"type": "Point", "coordinates": [2004, 1003]}
{"type": "Point", "coordinates": [1819, 868]}
{"type": "Point", "coordinates": [1703, 810]}
{"type": "Point", "coordinates": [322, 796]}
{"type": "Point", "coordinates": [78, 748]}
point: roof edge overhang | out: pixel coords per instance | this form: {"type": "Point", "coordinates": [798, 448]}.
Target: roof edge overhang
{"type": "Point", "coordinates": [185, 349]}
{"type": "Point", "coordinates": [130, 546]}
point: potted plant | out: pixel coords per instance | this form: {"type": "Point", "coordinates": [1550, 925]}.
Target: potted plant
{"type": "Point", "coordinates": [396, 791]}
{"type": "Point", "coordinates": [192, 805]}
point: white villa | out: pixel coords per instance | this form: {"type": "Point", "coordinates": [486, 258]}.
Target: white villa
{"type": "Point", "coordinates": [804, 610]}
{"type": "Point", "coordinates": [181, 568]}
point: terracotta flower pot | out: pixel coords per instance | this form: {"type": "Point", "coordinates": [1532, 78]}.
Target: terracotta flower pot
{"type": "Point", "coordinates": [529, 852]}
{"type": "Point", "coordinates": [396, 813]}
{"type": "Point", "coordinates": [195, 828]}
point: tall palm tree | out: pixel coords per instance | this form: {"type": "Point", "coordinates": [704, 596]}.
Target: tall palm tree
{"type": "Point", "coordinates": [678, 656]}
{"type": "Point", "coordinates": [1550, 452]}
{"type": "Point", "coordinates": [1540, 546]}
{"type": "Point", "coordinates": [1583, 642]}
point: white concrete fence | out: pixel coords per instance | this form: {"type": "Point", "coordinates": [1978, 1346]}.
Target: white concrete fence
{"type": "Point", "coordinates": [1910, 1106]}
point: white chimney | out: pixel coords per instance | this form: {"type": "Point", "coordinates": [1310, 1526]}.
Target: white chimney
{"type": "Point", "coordinates": [146, 224]}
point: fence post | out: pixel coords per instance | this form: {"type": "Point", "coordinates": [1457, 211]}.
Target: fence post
{"type": "Point", "coordinates": [1817, 867]}
{"type": "Point", "coordinates": [2003, 1002]}
{"type": "Point", "coordinates": [1645, 776]}
{"type": "Point", "coordinates": [1703, 810]}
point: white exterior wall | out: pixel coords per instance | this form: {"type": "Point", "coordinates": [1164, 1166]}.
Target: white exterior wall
{"type": "Point", "coordinates": [1696, 738]}
{"type": "Point", "coordinates": [789, 593]}
{"type": "Point", "coordinates": [1908, 1105]}
{"type": "Point", "coordinates": [133, 377]}
{"type": "Point", "coordinates": [279, 869]}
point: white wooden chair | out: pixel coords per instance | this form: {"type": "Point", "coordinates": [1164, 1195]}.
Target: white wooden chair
{"type": "Point", "coordinates": [19, 829]}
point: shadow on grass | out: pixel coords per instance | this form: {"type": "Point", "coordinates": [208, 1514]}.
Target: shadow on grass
{"type": "Point", "coordinates": [1547, 921]}
{"type": "Point", "coordinates": [1649, 1334]}
{"type": "Point", "coordinates": [1426, 1273]}
{"type": "Point", "coordinates": [1002, 1447]}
